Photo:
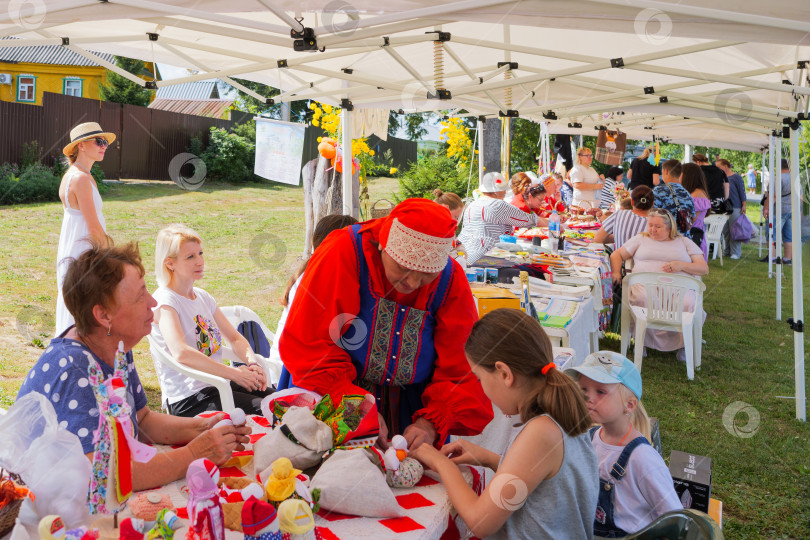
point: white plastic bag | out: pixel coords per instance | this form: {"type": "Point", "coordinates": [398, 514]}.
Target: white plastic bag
{"type": "Point", "coordinates": [49, 459]}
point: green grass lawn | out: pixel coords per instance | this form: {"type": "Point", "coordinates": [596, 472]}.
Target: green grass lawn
{"type": "Point", "coordinates": [253, 240]}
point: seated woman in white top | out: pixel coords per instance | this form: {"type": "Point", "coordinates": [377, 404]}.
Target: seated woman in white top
{"type": "Point", "coordinates": [489, 217]}
{"type": "Point", "coordinates": [660, 249]}
{"type": "Point", "coordinates": [325, 225]}
{"type": "Point", "coordinates": [189, 326]}
{"type": "Point", "coordinates": [586, 181]}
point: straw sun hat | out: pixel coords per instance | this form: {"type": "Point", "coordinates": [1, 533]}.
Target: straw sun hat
{"type": "Point", "coordinates": [83, 132]}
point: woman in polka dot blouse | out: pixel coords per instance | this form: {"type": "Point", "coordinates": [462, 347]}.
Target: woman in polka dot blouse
{"type": "Point", "coordinates": [105, 291]}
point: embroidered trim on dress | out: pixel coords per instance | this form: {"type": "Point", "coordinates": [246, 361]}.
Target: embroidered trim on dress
{"type": "Point", "coordinates": [409, 347]}
{"type": "Point", "coordinates": [417, 251]}
{"type": "Point", "coordinates": [377, 363]}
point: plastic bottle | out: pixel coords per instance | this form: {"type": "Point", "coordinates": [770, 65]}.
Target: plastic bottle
{"type": "Point", "coordinates": [554, 231]}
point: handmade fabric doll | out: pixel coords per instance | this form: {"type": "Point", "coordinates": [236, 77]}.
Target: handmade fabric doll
{"type": "Point", "coordinates": [204, 508]}
{"type": "Point", "coordinates": [401, 470]}
{"type": "Point", "coordinates": [295, 519]}
{"type": "Point", "coordinates": [259, 521]}
{"type": "Point", "coordinates": [115, 443]}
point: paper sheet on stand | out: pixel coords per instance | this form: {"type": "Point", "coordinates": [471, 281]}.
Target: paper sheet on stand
{"type": "Point", "coordinates": [279, 147]}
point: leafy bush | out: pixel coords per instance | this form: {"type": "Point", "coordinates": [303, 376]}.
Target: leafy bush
{"type": "Point", "coordinates": [98, 175]}
{"type": "Point", "coordinates": [36, 184]}
{"type": "Point", "coordinates": [31, 154]}
{"type": "Point", "coordinates": [9, 169]}
{"type": "Point", "coordinates": [433, 172]}
{"type": "Point", "coordinates": [229, 157]}
{"type": "Point", "coordinates": [246, 129]}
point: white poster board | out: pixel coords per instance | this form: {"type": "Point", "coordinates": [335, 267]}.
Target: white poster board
{"type": "Point", "coordinates": [279, 148]}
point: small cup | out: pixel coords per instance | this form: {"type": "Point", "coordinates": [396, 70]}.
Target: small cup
{"type": "Point", "coordinates": [492, 275]}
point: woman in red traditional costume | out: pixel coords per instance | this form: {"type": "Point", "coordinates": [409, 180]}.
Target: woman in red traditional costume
{"type": "Point", "coordinates": [383, 310]}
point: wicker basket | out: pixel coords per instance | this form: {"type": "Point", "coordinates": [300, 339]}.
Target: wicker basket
{"type": "Point", "coordinates": [232, 512]}
{"type": "Point", "coordinates": [8, 515]}
{"type": "Point", "coordinates": [381, 212]}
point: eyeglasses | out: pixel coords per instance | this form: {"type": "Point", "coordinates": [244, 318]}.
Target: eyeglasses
{"type": "Point", "coordinates": [102, 142]}
{"type": "Point", "coordinates": [585, 155]}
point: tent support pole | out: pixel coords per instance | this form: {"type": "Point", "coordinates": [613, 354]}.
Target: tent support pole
{"type": "Point", "coordinates": [725, 79]}
{"type": "Point", "coordinates": [797, 323]}
{"type": "Point", "coordinates": [409, 68]}
{"type": "Point", "coordinates": [28, 9]}
{"type": "Point", "coordinates": [599, 65]}
{"type": "Point", "coordinates": [112, 67]}
{"type": "Point", "coordinates": [777, 227]}
{"type": "Point", "coordinates": [438, 9]}
{"type": "Point", "coordinates": [480, 126]}
{"type": "Point", "coordinates": [718, 14]}
{"type": "Point", "coordinates": [346, 177]}
{"type": "Point", "coordinates": [203, 67]}
{"type": "Point", "coordinates": [772, 175]}
{"type": "Point", "coordinates": [217, 18]}
{"type": "Point", "coordinates": [281, 14]}
{"type": "Point", "coordinates": [472, 75]}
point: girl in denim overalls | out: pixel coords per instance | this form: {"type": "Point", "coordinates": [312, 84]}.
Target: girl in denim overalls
{"type": "Point", "coordinates": [632, 492]}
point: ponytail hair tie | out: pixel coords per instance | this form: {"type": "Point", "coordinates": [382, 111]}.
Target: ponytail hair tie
{"type": "Point", "coordinates": [643, 200]}
{"type": "Point", "coordinates": [547, 367]}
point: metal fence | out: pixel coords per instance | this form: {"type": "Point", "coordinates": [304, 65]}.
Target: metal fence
{"type": "Point", "coordinates": [147, 139]}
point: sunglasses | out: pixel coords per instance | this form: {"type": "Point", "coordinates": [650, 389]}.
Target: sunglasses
{"type": "Point", "coordinates": [537, 190]}
{"type": "Point", "coordinates": [101, 142]}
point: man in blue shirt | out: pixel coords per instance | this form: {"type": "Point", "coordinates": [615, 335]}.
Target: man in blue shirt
{"type": "Point", "coordinates": [736, 194]}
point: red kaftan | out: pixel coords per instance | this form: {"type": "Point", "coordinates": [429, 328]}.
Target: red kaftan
{"type": "Point", "coordinates": [454, 401]}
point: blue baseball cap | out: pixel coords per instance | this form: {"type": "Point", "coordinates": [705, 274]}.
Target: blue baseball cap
{"type": "Point", "coordinates": [608, 367]}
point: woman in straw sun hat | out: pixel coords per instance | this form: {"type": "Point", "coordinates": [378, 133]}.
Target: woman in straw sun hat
{"type": "Point", "coordinates": [83, 220]}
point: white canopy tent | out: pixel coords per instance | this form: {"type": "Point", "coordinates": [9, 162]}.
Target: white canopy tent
{"type": "Point", "coordinates": [693, 73]}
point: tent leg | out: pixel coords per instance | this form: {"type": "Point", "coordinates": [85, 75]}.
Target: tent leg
{"type": "Point", "coordinates": [771, 174]}
{"type": "Point", "coordinates": [797, 321]}
{"type": "Point", "coordinates": [348, 192]}
{"type": "Point", "coordinates": [777, 227]}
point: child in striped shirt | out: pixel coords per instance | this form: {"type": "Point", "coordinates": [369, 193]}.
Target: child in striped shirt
{"type": "Point", "coordinates": [613, 177]}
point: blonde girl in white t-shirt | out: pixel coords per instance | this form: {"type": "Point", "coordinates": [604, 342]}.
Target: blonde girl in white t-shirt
{"type": "Point", "coordinates": [190, 326]}
{"type": "Point", "coordinates": [635, 486]}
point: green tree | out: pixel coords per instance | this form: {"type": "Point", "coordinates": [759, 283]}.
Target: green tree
{"type": "Point", "coordinates": [299, 110]}
{"type": "Point", "coordinates": [119, 89]}
{"type": "Point", "coordinates": [415, 125]}
{"type": "Point", "coordinates": [525, 145]}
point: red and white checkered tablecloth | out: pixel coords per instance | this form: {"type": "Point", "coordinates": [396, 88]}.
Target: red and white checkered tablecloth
{"type": "Point", "coordinates": [426, 506]}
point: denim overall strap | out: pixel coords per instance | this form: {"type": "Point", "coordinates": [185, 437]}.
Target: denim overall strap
{"type": "Point", "coordinates": [619, 468]}
{"type": "Point", "coordinates": [604, 523]}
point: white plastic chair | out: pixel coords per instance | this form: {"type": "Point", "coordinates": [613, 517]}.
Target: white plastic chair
{"type": "Point", "coordinates": [235, 315]}
{"type": "Point", "coordinates": [239, 314]}
{"type": "Point", "coordinates": [222, 385]}
{"type": "Point", "coordinates": [714, 234]}
{"type": "Point", "coordinates": [664, 311]}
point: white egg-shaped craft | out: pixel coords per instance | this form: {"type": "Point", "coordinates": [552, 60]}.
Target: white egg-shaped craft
{"type": "Point", "coordinates": [399, 442]}
{"type": "Point", "coordinates": [237, 416]}
{"type": "Point", "coordinates": [409, 473]}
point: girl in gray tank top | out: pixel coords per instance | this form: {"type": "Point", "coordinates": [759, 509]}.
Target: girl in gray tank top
{"type": "Point", "coordinates": [546, 482]}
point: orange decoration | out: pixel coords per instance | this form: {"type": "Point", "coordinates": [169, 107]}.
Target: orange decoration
{"type": "Point", "coordinates": [327, 148]}
{"type": "Point", "coordinates": [401, 454]}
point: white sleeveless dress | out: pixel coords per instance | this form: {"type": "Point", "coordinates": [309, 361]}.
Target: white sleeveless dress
{"type": "Point", "coordinates": [72, 243]}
